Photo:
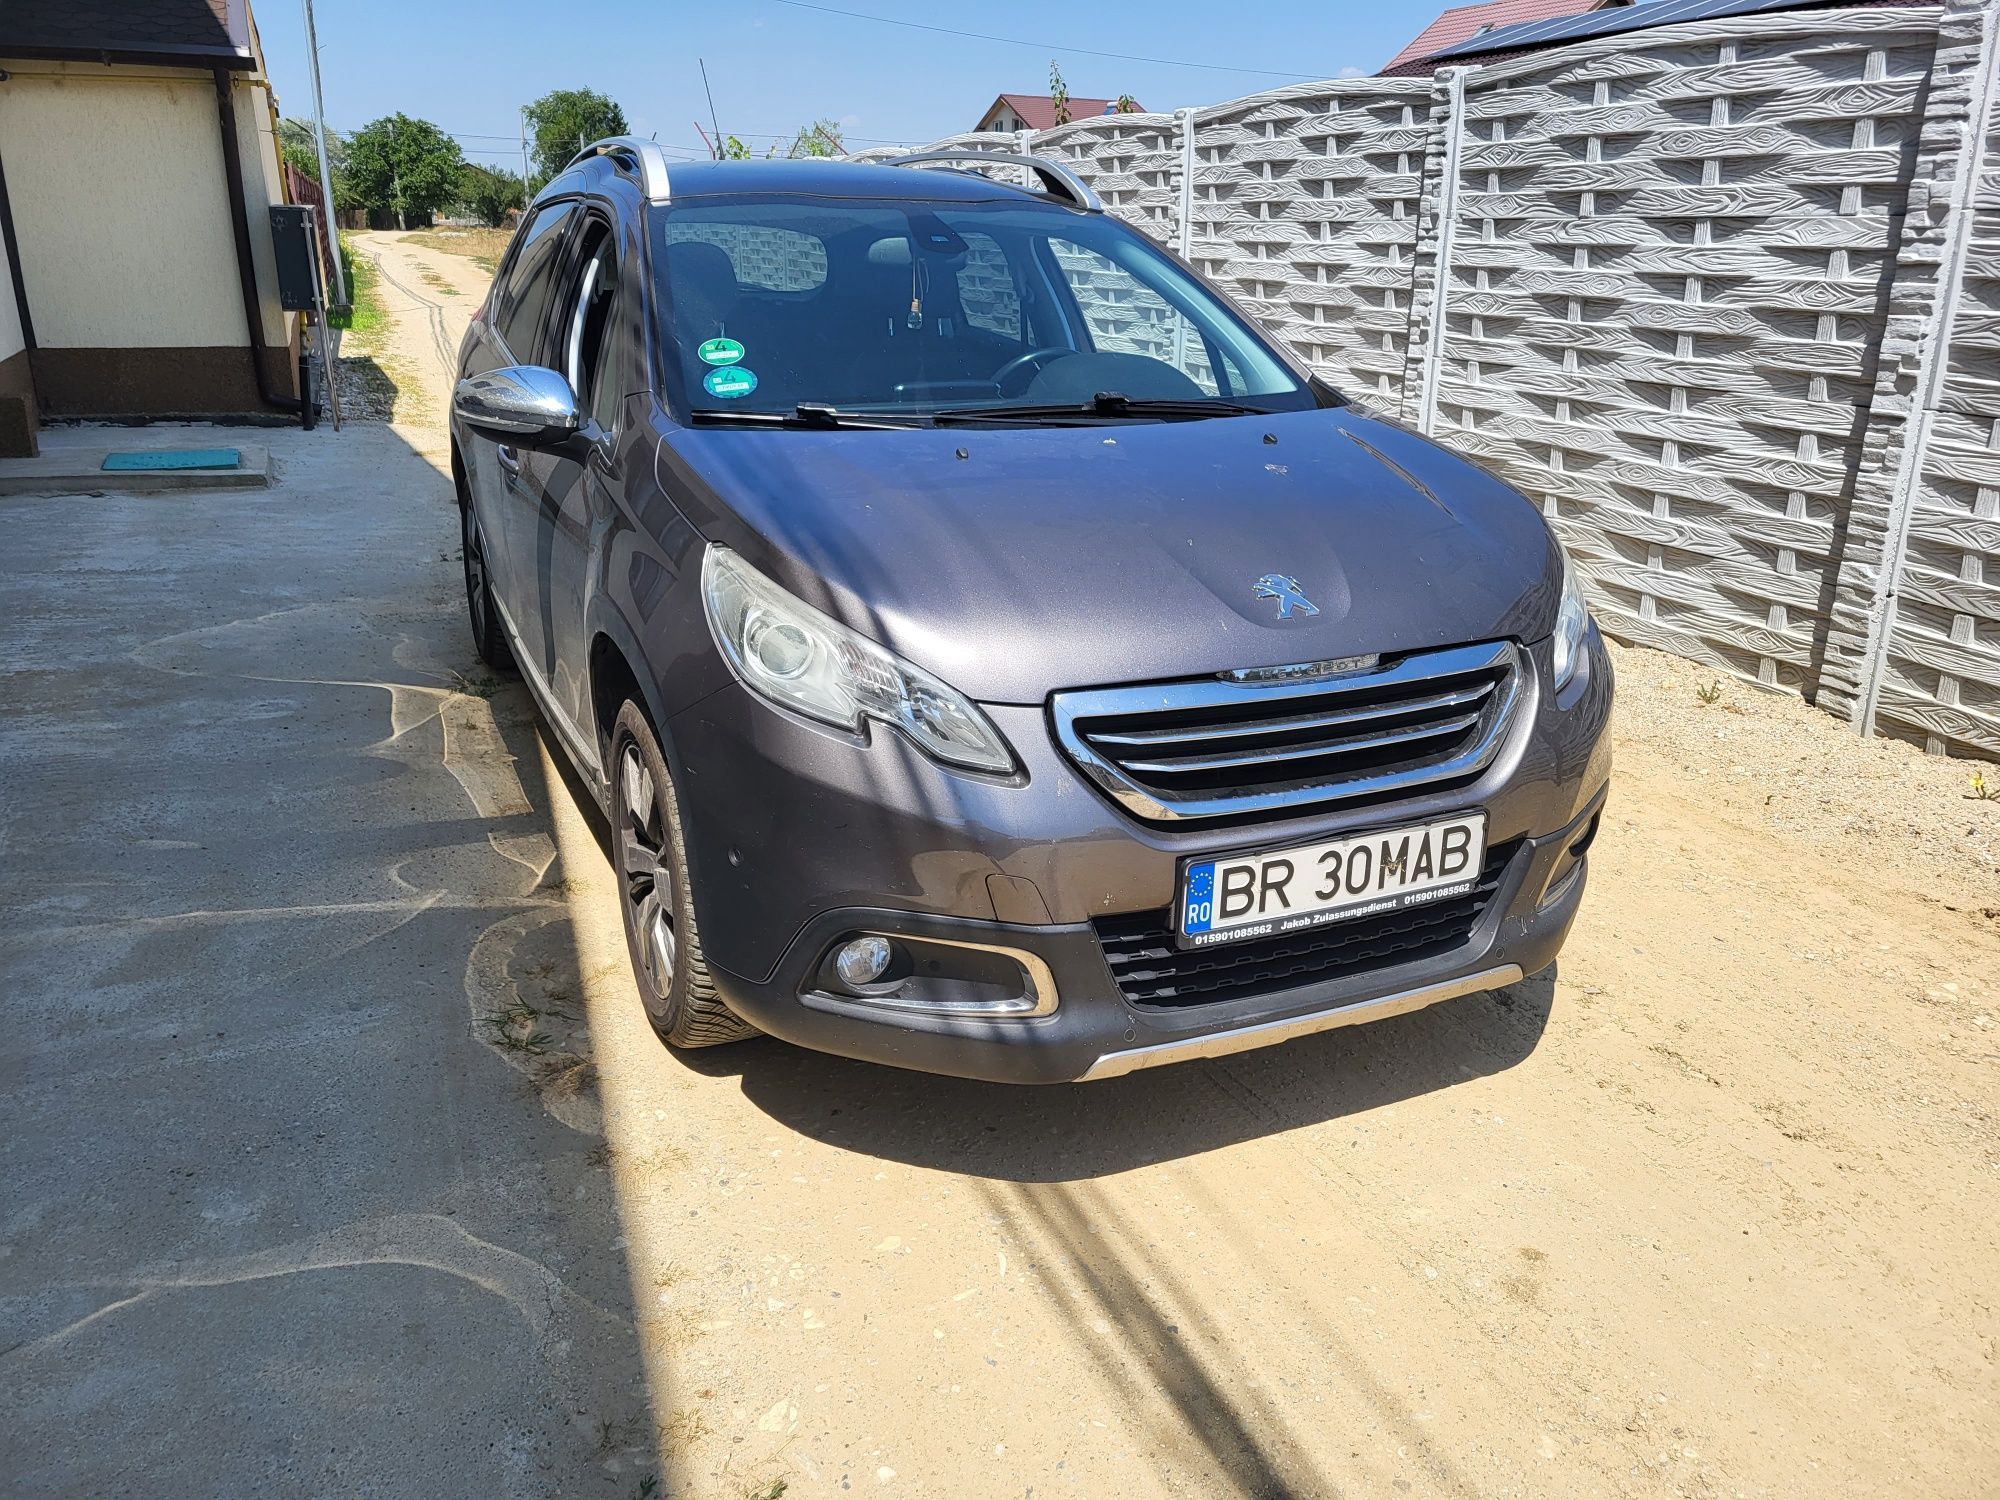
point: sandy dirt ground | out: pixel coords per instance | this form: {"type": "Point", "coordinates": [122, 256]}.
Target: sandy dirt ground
{"type": "Point", "coordinates": [1707, 1211]}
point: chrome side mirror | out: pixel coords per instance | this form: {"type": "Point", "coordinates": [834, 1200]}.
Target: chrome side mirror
{"type": "Point", "coordinates": [525, 405]}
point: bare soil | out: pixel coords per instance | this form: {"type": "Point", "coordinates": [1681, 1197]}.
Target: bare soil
{"type": "Point", "coordinates": [1706, 1211]}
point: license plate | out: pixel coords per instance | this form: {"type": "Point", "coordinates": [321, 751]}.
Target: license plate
{"type": "Point", "coordinates": [1276, 891]}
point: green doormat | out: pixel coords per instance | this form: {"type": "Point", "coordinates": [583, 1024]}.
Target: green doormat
{"type": "Point", "coordinates": [177, 458]}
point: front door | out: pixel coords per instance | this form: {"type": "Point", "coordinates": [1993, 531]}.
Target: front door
{"type": "Point", "coordinates": [514, 333]}
{"type": "Point", "coordinates": [574, 493]}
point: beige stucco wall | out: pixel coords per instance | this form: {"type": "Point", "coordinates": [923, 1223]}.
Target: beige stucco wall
{"type": "Point", "coordinates": [120, 208]}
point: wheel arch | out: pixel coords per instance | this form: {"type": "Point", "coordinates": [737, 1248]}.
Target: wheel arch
{"type": "Point", "coordinates": [614, 677]}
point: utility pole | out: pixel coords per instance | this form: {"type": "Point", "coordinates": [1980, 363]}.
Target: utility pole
{"type": "Point", "coordinates": [325, 172]}
{"type": "Point", "coordinates": [526, 188]}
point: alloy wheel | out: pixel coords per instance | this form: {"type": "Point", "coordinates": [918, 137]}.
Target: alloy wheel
{"type": "Point", "coordinates": [645, 875]}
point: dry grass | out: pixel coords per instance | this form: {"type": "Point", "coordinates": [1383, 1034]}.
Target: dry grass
{"type": "Point", "coordinates": [483, 247]}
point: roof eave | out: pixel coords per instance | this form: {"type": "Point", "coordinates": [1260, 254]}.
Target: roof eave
{"type": "Point", "coordinates": [164, 55]}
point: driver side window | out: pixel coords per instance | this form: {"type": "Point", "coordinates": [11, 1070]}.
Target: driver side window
{"type": "Point", "coordinates": [1125, 316]}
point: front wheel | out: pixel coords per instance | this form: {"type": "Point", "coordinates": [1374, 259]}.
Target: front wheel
{"type": "Point", "coordinates": [654, 895]}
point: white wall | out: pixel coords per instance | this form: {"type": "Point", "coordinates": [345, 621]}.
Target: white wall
{"type": "Point", "coordinates": [120, 207]}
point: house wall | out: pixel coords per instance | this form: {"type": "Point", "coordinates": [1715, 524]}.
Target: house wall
{"type": "Point", "coordinates": [1688, 288]}
{"type": "Point", "coordinates": [126, 238]}
{"type": "Point", "coordinates": [18, 418]}
{"type": "Point", "coordinates": [14, 379]}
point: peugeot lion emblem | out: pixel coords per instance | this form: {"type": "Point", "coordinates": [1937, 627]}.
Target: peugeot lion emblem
{"type": "Point", "coordinates": [1286, 591]}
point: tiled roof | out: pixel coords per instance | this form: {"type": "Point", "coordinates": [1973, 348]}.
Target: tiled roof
{"type": "Point", "coordinates": [1038, 111]}
{"type": "Point", "coordinates": [1463, 22]}
{"type": "Point", "coordinates": [202, 31]}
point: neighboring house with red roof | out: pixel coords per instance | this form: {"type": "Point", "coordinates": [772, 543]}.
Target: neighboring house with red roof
{"type": "Point", "coordinates": [1012, 112]}
{"type": "Point", "coordinates": [1464, 22]}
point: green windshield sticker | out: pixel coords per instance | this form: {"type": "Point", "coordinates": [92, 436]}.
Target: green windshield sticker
{"type": "Point", "coordinates": [720, 352]}
{"type": "Point", "coordinates": [729, 383]}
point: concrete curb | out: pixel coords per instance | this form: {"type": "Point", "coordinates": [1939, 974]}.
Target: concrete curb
{"type": "Point", "coordinates": [80, 471]}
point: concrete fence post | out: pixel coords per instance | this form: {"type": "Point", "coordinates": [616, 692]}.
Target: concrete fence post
{"type": "Point", "coordinates": [1933, 361]}
{"type": "Point", "coordinates": [1185, 241]}
{"type": "Point", "coordinates": [1447, 229]}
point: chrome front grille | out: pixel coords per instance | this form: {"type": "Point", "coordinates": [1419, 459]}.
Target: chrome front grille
{"type": "Point", "coordinates": [1212, 749]}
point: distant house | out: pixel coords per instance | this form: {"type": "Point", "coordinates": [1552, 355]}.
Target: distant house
{"type": "Point", "coordinates": [1464, 22]}
{"type": "Point", "coordinates": [1011, 112]}
{"type": "Point", "coordinates": [1475, 35]}
{"type": "Point", "coordinates": [138, 166]}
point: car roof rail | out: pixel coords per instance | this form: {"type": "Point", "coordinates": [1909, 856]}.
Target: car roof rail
{"type": "Point", "coordinates": [649, 162]}
{"type": "Point", "coordinates": [1058, 180]}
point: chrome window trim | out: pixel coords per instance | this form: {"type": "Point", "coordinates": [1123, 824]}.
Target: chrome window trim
{"type": "Point", "coordinates": [573, 349]}
{"type": "Point", "coordinates": [1059, 181]}
{"type": "Point", "coordinates": [1068, 708]}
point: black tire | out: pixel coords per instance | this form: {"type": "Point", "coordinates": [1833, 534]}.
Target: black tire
{"type": "Point", "coordinates": [649, 857]}
{"type": "Point", "coordinates": [489, 636]}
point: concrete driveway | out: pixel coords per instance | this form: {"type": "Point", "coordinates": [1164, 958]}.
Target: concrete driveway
{"type": "Point", "coordinates": [339, 1158]}
{"type": "Point", "coordinates": [276, 1219]}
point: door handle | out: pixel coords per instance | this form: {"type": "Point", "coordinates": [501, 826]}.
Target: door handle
{"type": "Point", "coordinates": [510, 460]}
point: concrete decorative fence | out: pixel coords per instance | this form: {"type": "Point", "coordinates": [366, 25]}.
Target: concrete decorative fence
{"type": "Point", "coordinates": [1723, 297]}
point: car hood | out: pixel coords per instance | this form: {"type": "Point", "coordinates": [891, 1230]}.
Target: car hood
{"type": "Point", "coordinates": [1016, 561]}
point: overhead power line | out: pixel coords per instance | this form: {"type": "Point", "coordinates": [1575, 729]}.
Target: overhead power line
{"type": "Point", "coordinates": [1014, 41]}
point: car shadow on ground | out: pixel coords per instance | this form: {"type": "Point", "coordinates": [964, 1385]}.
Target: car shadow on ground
{"type": "Point", "coordinates": [1065, 1133]}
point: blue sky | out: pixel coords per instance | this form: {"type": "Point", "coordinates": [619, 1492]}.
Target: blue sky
{"type": "Point", "coordinates": [468, 65]}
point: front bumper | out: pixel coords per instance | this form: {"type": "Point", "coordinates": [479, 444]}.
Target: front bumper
{"type": "Point", "coordinates": [800, 837]}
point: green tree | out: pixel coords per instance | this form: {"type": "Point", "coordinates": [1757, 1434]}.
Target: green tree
{"type": "Point", "coordinates": [1058, 93]}
{"type": "Point", "coordinates": [295, 145]}
{"type": "Point", "coordinates": [406, 167]}
{"type": "Point", "coordinates": [820, 138]}
{"type": "Point", "coordinates": [562, 122]}
{"type": "Point", "coordinates": [487, 195]}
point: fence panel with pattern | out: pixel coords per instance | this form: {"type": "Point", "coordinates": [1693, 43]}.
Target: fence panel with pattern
{"type": "Point", "coordinates": [1666, 294]}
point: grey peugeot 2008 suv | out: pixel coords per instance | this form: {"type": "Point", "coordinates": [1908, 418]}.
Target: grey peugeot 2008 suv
{"type": "Point", "coordinates": [993, 655]}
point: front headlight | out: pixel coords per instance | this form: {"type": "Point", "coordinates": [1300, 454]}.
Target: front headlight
{"type": "Point", "coordinates": [1572, 625]}
{"type": "Point", "coordinates": [794, 655]}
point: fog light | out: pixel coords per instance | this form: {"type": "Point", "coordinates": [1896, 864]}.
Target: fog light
{"type": "Point", "coordinates": [862, 961]}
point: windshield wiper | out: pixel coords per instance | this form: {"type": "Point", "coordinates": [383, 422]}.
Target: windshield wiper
{"type": "Point", "coordinates": [806, 414]}
{"type": "Point", "coordinates": [1104, 404]}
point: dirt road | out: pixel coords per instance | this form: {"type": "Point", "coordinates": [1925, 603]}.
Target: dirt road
{"type": "Point", "coordinates": [1710, 1210]}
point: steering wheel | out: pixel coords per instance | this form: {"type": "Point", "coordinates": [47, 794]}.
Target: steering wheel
{"type": "Point", "coordinates": [1021, 362]}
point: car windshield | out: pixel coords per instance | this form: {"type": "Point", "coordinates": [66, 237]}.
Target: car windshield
{"type": "Point", "coordinates": [944, 311]}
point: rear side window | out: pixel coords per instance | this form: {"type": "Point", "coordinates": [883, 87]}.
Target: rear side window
{"type": "Point", "coordinates": [531, 281]}
{"type": "Point", "coordinates": [764, 257]}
